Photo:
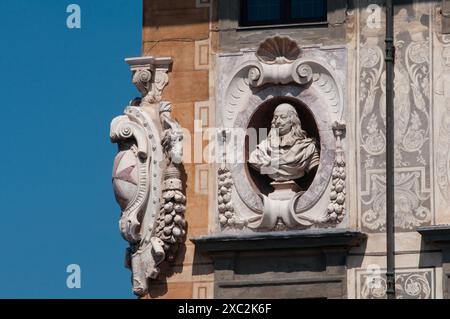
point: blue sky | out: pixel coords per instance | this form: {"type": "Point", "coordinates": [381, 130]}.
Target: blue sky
{"type": "Point", "coordinates": [59, 89]}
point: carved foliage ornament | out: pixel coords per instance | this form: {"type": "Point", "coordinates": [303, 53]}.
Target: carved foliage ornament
{"type": "Point", "coordinates": [146, 175]}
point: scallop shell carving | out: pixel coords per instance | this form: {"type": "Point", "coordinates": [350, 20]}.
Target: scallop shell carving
{"type": "Point", "coordinates": [278, 50]}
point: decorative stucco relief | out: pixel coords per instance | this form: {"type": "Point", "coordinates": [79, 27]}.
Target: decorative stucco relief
{"type": "Point", "coordinates": [412, 136]}
{"type": "Point", "coordinates": [309, 81]}
{"type": "Point", "coordinates": [147, 174]}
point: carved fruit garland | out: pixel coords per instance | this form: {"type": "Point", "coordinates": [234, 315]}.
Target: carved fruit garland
{"type": "Point", "coordinates": [336, 208]}
{"type": "Point", "coordinates": [337, 195]}
{"type": "Point", "coordinates": [171, 224]}
{"type": "Point", "coordinates": [226, 210]}
{"type": "Point", "coordinates": [227, 215]}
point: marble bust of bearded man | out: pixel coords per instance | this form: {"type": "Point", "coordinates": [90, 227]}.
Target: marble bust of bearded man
{"type": "Point", "coordinates": [287, 153]}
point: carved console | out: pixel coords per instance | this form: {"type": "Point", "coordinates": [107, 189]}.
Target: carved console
{"type": "Point", "coordinates": [146, 174]}
{"type": "Point", "coordinates": [307, 188]}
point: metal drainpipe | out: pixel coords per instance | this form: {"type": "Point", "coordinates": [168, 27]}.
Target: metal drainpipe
{"type": "Point", "coordinates": [390, 210]}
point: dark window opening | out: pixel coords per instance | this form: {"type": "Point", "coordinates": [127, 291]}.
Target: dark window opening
{"type": "Point", "coordinates": [273, 12]}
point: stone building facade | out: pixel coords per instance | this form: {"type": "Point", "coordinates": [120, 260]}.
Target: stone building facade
{"type": "Point", "coordinates": [214, 226]}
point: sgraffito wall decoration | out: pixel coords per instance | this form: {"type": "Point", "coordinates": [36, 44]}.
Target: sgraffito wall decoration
{"type": "Point", "coordinates": [441, 91]}
{"type": "Point", "coordinates": [413, 117]}
{"type": "Point", "coordinates": [409, 284]}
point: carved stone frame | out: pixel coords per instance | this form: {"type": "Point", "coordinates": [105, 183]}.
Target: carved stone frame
{"type": "Point", "coordinates": [319, 110]}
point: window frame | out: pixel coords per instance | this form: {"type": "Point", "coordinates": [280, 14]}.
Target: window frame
{"type": "Point", "coordinates": [285, 19]}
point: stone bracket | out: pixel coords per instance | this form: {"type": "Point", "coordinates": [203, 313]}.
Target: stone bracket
{"type": "Point", "coordinates": [150, 76]}
{"type": "Point", "coordinates": [299, 239]}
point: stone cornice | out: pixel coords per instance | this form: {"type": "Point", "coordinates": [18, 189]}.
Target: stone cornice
{"type": "Point", "coordinates": [330, 238]}
{"type": "Point", "coordinates": [149, 62]}
{"type": "Point", "coordinates": [437, 234]}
